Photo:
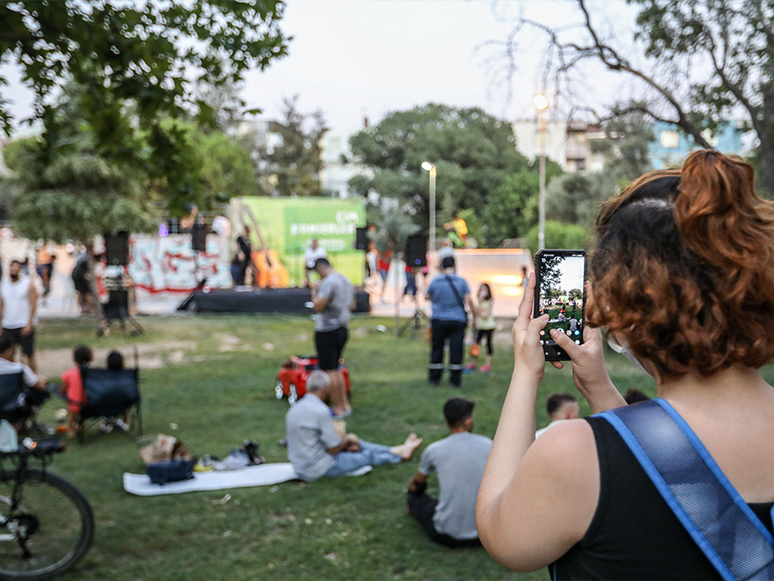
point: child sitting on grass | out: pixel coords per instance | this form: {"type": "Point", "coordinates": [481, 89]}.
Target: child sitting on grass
{"type": "Point", "coordinates": [115, 362]}
{"type": "Point", "coordinates": [72, 386]}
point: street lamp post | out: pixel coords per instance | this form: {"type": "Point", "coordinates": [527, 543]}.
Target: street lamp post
{"type": "Point", "coordinates": [429, 167]}
{"type": "Point", "coordinates": [541, 104]}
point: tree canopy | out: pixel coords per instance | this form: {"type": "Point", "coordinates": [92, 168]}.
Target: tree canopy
{"type": "Point", "coordinates": [293, 164]}
{"type": "Point", "coordinates": [78, 196]}
{"type": "Point", "coordinates": [559, 235]}
{"type": "Point", "coordinates": [471, 149]}
{"type": "Point", "coordinates": [695, 64]}
{"type": "Point", "coordinates": [127, 70]}
{"type": "Point", "coordinates": [147, 52]}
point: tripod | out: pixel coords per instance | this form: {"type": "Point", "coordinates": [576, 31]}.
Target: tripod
{"type": "Point", "coordinates": [415, 321]}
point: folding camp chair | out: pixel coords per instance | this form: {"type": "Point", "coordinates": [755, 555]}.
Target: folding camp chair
{"type": "Point", "coordinates": [17, 404]}
{"type": "Point", "coordinates": [109, 395]}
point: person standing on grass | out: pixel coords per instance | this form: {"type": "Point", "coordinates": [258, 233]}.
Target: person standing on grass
{"type": "Point", "coordinates": [450, 297]}
{"type": "Point", "coordinates": [459, 461]}
{"type": "Point", "coordinates": [485, 326]}
{"type": "Point", "coordinates": [315, 448]}
{"type": "Point", "coordinates": [333, 298]}
{"type": "Point", "coordinates": [18, 310]}
{"type": "Point", "coordinates": [311, 255]}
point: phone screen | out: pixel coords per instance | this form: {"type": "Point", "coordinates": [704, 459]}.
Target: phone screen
{"type": "Point", "coordinates": [560, 293]}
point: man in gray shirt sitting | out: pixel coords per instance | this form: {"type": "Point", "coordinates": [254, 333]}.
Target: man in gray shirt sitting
{"type": "Point", "coordinates": [332, 299]}
{"type": "Point", "coordinates": [459, 461]}
{"type": "Point", "coordinates": [316, 450]}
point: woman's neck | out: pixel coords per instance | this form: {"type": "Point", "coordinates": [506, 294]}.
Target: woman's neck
{"type": "Point", "coordinates": [735, 383]}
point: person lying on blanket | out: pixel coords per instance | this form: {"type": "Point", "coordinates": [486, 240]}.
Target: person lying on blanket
{"type": "Point", "coordinates": [316, 450]}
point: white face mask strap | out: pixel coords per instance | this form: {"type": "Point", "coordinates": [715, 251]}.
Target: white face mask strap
{"type": "Point", "coordinates": [625, 351]}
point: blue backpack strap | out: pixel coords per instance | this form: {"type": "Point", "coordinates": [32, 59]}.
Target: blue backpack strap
{"type": "Point", "coordinates": [720, 522]}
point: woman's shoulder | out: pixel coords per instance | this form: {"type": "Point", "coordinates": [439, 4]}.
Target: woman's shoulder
{"type": "Point", "coordinates": [570, 440]}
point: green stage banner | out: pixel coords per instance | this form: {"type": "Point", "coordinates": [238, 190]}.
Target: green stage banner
{"type": "Point", "coordinates": [287, 225]}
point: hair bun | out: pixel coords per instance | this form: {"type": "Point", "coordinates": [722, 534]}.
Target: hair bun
{"type": "Point", "coordinates": [719, 215]}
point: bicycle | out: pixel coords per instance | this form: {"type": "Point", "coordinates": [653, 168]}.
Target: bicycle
{"type": "Point", "coordinates": [46, 524]}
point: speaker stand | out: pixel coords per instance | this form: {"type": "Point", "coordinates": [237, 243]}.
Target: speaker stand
{"type": "Point", "coordinates": [414, 322]}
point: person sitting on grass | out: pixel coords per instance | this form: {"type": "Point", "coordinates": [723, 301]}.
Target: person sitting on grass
{"type": "Point", "coordinates": [459, 461]}
{"type": "Point", "coordinates": [35, 393]}
{"type": "Point", "coordinates": [72, 386]}
{"type": "Point", "coordinates": [560, 407]}
{"type": "Point", "coordinates": [316, 450]}
{"type": "Point", "coordinates": [115, 362]}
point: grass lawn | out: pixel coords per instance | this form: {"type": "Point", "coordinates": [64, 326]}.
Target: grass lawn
{"type": "Point", "coordinates": [214, 379]}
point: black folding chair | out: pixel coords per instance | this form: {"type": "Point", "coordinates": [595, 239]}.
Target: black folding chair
{"type": "Point", "coordinates": [18, 404]}
{"type": "Point", "coordinates": [109, 395]}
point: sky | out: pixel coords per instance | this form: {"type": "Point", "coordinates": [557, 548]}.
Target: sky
{"type": "Point", "coordinates": [358, 58]}
{"type": "Point", "coordinates": [572, 273]}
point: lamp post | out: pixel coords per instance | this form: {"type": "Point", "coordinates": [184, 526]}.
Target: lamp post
{"type": "Point", "coordinates": [541, 104]}
{"type": "Point", "coordinates": [429, 167]}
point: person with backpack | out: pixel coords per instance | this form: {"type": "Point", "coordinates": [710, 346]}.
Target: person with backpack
{"type": "Point", "coordinates": [450, 297]}
{"type": "Point", "coordinates": [680, 487]}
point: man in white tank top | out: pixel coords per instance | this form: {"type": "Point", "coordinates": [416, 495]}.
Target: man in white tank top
{"type": "Point", "coordinates": [18, 306]}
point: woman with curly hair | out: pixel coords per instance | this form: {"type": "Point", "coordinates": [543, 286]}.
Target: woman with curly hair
{"type": "Point", "coordinates": [682, 278]}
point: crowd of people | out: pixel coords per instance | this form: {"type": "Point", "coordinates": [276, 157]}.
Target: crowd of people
{"type": "Point", "coordinates": [562, 496]}
{"type": "Point", "coordinates": [683, 283]}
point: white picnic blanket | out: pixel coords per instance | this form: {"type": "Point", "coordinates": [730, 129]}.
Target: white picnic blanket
{"type": "Point", "coordinates": [262, 475]}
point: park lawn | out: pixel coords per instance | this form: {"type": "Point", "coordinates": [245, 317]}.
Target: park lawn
{"type": "Point", "coordinates": [219, 392]}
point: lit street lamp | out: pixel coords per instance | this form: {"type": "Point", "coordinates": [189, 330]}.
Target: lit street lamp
{"type": "Point", "coordinates": [429, 167]}
{"type": "Point", "coordinates": [541, 104]}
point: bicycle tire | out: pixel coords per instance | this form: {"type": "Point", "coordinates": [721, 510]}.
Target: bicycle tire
{"type": "Point", "coordinates": [84, 533]}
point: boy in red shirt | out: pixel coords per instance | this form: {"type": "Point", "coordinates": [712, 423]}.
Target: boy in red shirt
{"type": "Point", "coordinates": [72, 386]}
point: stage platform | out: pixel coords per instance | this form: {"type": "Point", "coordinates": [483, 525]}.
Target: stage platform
{"type": "Point", "coordinates": [280, 300]}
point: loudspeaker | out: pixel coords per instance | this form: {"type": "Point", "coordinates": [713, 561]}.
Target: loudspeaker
{"type": "Point", "coordinates": [117, 248]}
{"type": "Point", "coordinates": [199, 237]}
{"type": "Point", "coordinates": [416, 250]}
{"type": "Point", "coordinates": [361, 239]}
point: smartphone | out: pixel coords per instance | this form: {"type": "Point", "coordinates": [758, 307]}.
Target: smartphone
{"type": "Point", "coordinates": [560, 291]}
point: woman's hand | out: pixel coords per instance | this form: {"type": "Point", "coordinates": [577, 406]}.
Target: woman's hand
{"type": "Point", "coordinates": [527, 351]}
{"type": "Point", "coordinates": [589, 369]}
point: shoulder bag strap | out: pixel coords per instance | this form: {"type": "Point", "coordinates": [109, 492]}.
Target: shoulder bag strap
{"type": "Point", "coordinates": [723, 526]}
{"type": "Point", "coordinates": [455, 291]}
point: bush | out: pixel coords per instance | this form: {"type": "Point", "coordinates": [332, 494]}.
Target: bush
{"type": "Point", "coordinates": [559, 236]}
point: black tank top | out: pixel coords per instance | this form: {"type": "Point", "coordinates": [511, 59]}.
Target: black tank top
{"type": "Point", "coordinates": [634, 534]}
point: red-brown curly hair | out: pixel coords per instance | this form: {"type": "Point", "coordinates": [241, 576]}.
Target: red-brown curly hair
{"type": "Point", "coordinates": [684, 268]}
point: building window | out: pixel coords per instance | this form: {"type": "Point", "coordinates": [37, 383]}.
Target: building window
{"type": "Point", "coordinates": [669, 139]}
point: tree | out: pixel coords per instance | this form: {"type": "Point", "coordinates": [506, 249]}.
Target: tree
{"type": "Point", "coordinates": [147, 52]}
{"type": "Point", "coordinates": [700, 63]}
{"type": "Point", "coordinates": [78, 197]}
{"type": "Point", "coordinates": [133, 66]}
{"type": "Point", "coordinates": [574, 198]}
{"type": "Point", "coordinates": [226, 168]}
{"type": "Point", "coordinates": [471, 149]}
{"type": "Point", "coordinates": [558, 235]}
{"type": "Point", "coordinates": [394, 231]}
{"type": "Point", "coordinates": [550, 274]}
{"type": "Point", "coordinates": [512, 206]}
{"type": "Point", "coordinates": [295, 162]}
{"type": "Point", "coordinates": [626, 146]}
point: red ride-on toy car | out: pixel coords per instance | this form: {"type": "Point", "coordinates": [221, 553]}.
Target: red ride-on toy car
{"type": "Point", "coordinates": [291, 379]}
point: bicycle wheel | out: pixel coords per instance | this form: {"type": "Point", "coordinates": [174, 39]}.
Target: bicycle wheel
{"type": "Point", "coordinates": [53, 521]}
